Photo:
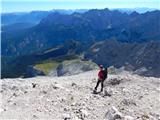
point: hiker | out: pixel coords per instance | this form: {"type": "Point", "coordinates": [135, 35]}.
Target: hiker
{"type": "Point", "coordinates": [102, 75]}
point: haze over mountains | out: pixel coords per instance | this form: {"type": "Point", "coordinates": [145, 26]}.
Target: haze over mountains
{"type": "Point", "coordinates": [33, 16]}
{"type": "Point", "coordinates": [104, 36]}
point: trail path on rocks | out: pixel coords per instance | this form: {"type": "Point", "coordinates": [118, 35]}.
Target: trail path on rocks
{"type": "Point", "coordinates": [71, 98]}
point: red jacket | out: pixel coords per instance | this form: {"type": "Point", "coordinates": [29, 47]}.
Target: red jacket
{"type": "Point", "coordinates": [100, 75]}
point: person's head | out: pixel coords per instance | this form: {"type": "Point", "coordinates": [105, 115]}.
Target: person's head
{"type": "Point", "coordinates": [100, 67]}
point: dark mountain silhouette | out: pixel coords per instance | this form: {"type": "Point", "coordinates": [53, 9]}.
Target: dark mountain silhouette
{"type": "Point", "coordinates": [89, 26]}
{"type": "Point", "coordinates": [144, 57]}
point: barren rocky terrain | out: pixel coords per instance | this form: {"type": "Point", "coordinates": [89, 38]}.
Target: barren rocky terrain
{"type": "Point", "coordinates": [126, 96]}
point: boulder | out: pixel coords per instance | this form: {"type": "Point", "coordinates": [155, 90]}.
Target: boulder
{"type": "Point", "coordinates": [66, 117]}
{"type": "Point", "coordinates": [114, 81]}
{"type": "Point", "coordinates": [108, 93]}
{"type": "Point", "coordinates": [82, 113]}
{"type": "Point", "coordinates": [128, 118]}
{"type": "Point", "coordinates": [113, 114]}
{"type": "Point", "coordinates": [128, 102]}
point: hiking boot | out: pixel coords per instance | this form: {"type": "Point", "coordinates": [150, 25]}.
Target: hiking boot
{"type": "Point", "coordinates": [94, 91]}
{"type": "Point", "coordinates": [101, 90]}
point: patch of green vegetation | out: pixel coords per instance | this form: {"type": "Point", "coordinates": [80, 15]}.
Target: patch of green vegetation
{"type": "Point", "coordinates": [93, 64]}
{"type": "Point", "coordinates": [74, 61]}
{"type": "Point", "coordinates": [46, 67]}
{"type": "Point", "coordinates": [78, 61]}
{"type": "Point", "coordinates": [51, 64]}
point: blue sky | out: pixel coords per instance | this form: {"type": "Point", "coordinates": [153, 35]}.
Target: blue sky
{"type": "Point", "coordinates": [29, 5]}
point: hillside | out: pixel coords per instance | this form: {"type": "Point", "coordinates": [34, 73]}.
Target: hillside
{"type": "Point", "coordinates": [70, 98]}
{"type": "Point", "coordinates": [17, 26]}
{"type": "Point", "coordinates": [51, 56]}
{"type": "Point", "coordinates": [141, 57]}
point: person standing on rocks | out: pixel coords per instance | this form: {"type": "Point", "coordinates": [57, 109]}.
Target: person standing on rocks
{"type": "Point", "coordinates": [102, 75]}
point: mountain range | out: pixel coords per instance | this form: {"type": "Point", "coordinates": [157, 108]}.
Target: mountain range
{"type": "Point", "coordinates": [33, 16]}
{"type": "Point", "coordinates": [92, 25]}
{"type": "Point", "coordinates": [137, 9]}
{"type": "Point", "coordinates": [127, 40]}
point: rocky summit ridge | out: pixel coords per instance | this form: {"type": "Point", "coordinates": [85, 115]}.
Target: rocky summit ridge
{"type": "Point", "coordinates": [126, 97]}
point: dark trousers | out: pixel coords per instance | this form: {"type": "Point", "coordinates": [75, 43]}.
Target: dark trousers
{"type": "Point", "coordinates": [98, 82]}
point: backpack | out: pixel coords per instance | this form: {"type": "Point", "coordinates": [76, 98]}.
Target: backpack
{"type": "Point", "coordinates": [105, 73]}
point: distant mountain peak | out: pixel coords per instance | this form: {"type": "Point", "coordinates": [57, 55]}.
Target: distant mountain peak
{"type": "Point", "coordinates": [134, 13]}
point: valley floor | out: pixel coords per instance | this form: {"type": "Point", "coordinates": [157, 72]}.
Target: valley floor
{"type": "Point", "coordinates": [71, 97]}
